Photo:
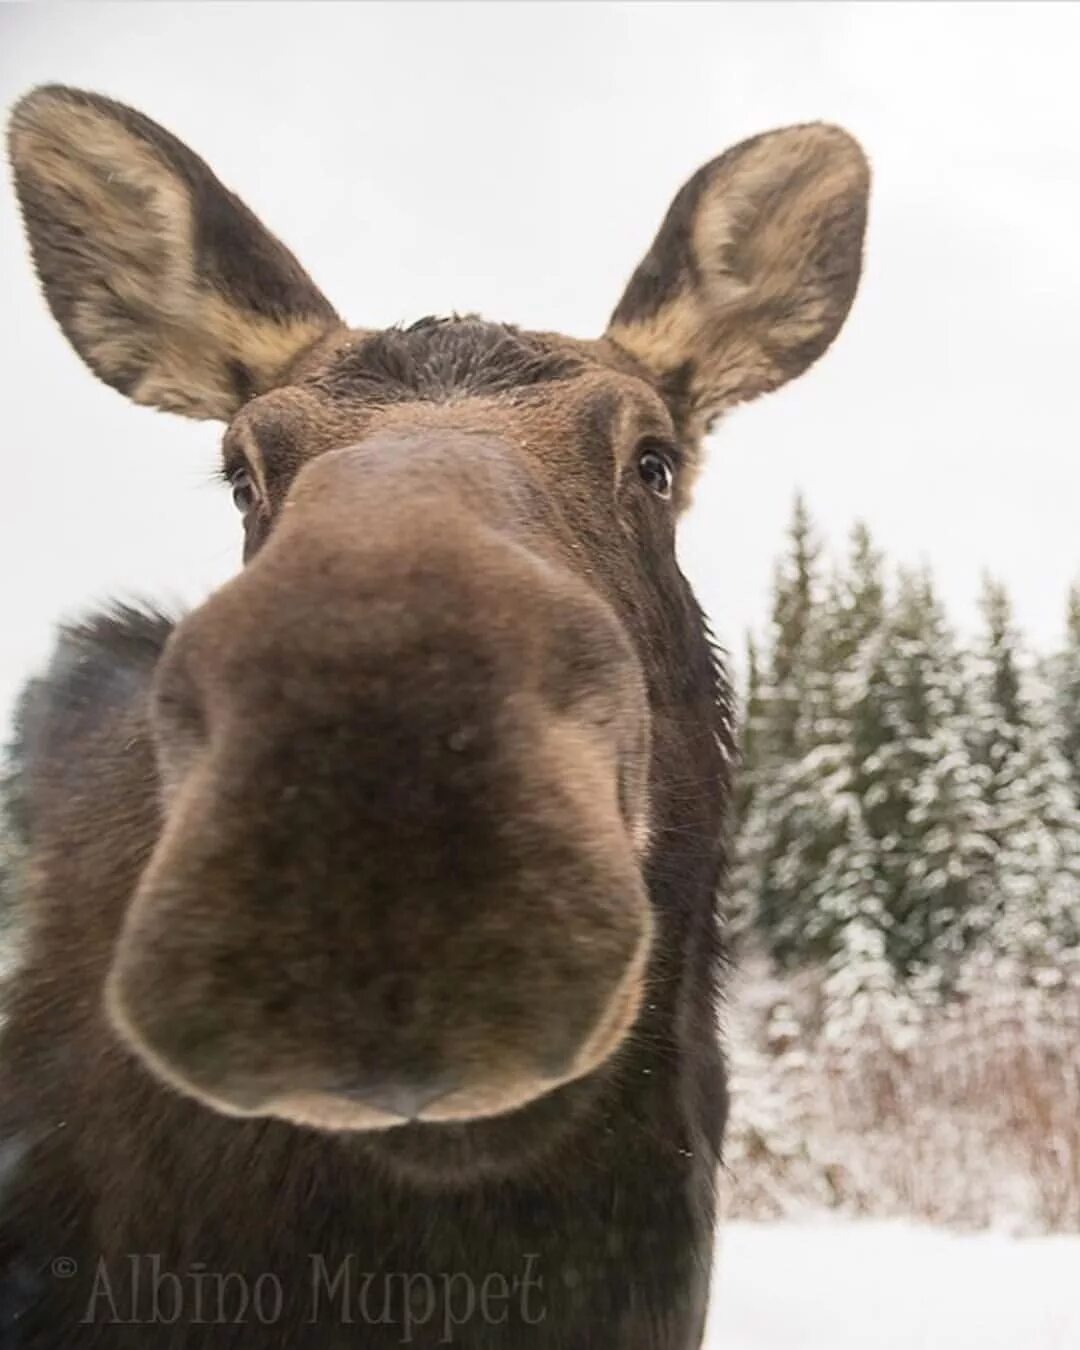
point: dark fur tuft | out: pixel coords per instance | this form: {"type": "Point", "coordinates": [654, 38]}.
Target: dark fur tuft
{"type": "Point", "coordinates": [436, 358]}
{"type": "Point", "coordinates": [97, 663]}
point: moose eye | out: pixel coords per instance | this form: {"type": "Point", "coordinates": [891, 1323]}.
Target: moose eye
{"type": "Point", "coordinates": [243, 490]}
{"type": "Point", "coordinates": [657, 471]}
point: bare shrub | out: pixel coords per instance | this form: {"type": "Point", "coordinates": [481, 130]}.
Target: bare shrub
{"type": "Point", "coordinates": [963, 1111]}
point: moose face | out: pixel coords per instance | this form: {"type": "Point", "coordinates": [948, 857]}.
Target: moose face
{"type": "Point", "coordinates": [420, 758]}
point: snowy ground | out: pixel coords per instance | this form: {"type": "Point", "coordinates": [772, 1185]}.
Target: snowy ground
{"type": "Point", "coordinates": [892, 1286]}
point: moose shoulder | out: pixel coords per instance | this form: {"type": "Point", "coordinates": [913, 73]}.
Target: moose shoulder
{"type": "Point", "coordinates": [371, 953]}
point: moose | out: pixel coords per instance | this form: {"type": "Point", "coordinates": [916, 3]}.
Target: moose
{"type": "Point", "coordinates": [371, 956]}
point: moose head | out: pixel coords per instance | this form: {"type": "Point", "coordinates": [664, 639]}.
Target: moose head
{"type": "Point", "coordinates": [424, 763]}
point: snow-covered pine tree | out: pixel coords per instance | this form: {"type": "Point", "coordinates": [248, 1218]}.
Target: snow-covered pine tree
{"type": "Point", "coordinates": [753, 733]}
{"type": "Point", "coordinates": [998, 709]}
{"type": "Point", "coordinates": [850, 611]}
{"type": "Point", "coordinates": [921, 800]}
{"type": "Point", "coordinates": [996, 728]}
{"type": "Point", "coordinates": [795, 594]}
{"type": "Point", "coordinates": [861, 612]}
{"type": "Point", "coordinates": [1036, 927]}
{"type": "Point", "coordinates": [780, 845]}
{"type": "Point", "coordinates": [847, 637]}
{"type": "Point", "coordinates": [796, 844]}
{"type": "Point", "coordinates": [1067, 688]}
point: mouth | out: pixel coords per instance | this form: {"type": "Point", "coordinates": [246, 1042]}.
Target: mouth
{"type": "Point", "coordinates": [342, 1112]}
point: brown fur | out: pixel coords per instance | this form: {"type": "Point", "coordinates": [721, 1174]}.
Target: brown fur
{"type": "Point", "coordinates": [372, 904]}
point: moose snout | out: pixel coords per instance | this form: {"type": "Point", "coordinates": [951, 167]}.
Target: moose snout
{"type": "Point", "coordinates": [399, 875]}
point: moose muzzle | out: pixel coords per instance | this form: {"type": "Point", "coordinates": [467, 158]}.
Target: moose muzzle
{"type": "Point", "coordinates": [404, 758]}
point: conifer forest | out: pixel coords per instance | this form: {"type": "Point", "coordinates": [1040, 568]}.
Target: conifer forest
{"type": "Point", "coordinates": [905, 907]}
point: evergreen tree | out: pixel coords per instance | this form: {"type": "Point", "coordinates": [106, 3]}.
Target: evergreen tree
{"type": "Point", "coordinates": [1068, 690]}
{"type": "Point", "coordinates": [996, 732]}
{"type": "Point", "coordinates": [795, 587]}
{"type": "Point", "coordinates": [848, 635]}
{"type": "Point", "coordinates": [804, 811]}
{"type": "Point", "coordinates": [921, 801]}
{"type": "Point", "coordinates": [998, 709]}
{"type": "Point", "coordinates": [860, 612]}
{"type": "Point", "coordinates": [753, 732]}
{"type": "Point", "coordinates": [1037, 917]}
{"type": "Point", "coordinates": [782, 842]}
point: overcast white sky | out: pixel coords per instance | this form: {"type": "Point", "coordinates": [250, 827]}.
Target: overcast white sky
{"type": "Point", "coordinates": [515, 160]}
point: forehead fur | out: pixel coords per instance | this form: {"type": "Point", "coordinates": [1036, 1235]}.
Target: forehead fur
{"type": "Point", "coordinates": [436, 359]}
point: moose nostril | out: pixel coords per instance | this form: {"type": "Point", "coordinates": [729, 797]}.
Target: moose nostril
{"type": "Point", "coordinates": [396, 1097]}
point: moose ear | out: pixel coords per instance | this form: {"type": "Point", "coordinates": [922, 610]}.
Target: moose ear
{"type": "Point", "coordinates": [752, 273]}
{"type": "Point", "coordinates": [164, 282]}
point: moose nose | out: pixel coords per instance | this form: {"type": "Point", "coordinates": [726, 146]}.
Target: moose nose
{"type": "Point", "coordinates": [405, 758]}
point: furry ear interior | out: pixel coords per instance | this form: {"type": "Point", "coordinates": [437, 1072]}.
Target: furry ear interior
{"type": "Point", "coordinates": [163, 281]}
{"type": "Point", "coordinates": [752, 273]}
